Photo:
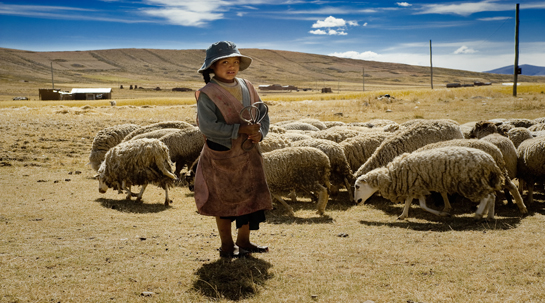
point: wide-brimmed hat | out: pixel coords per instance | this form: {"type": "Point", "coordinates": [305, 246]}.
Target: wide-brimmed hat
{"type": "Point", "coordinates": [222, 50]}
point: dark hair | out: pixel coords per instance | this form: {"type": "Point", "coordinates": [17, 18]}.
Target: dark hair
{"type": "Point", "coordinates": [206, 75]}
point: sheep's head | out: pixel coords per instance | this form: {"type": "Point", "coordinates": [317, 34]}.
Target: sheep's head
{"type": "Point", "coordinates": [102, 186]}
{"type": "Point", "coordinates": [363, 190]}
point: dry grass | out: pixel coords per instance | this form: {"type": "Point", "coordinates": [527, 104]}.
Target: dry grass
{"type": "Point", "coordinates": [62, 241]}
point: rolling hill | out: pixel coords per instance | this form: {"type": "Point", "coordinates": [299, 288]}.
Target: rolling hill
{"type": "Point", "coordinates": [527, 70]}
{"type": "Point", "coordinates": [154, 67]}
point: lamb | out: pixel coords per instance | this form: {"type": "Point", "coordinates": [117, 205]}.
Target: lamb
{"type": "Point", "coordinates": [496, 154]}
{"type": "Point", "coordinates": [341, 174]}
{"type": "Point", "coordinates": [409, 139]}
{"type": "Point", "coordinates": [469, 172]}
{"type": "Point", "coordinates": [531, 163]}
{"type": "Point", "coordinates": [184, 146]}
{"type": "Point", "coordinates": [137, 162]}
{"type": "Point", "coordinates": [156, 126]}
{"type": "Point", "coordinates": [304, 169]}
{"type": "Point", "coordinates": [360, 148]}
{"type": "Point", "coordinates": [106, 139]}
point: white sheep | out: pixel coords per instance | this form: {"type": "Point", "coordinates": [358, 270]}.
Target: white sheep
{"type": "Point", "coordinates": [495, 152]}
{"type": "Point", "coordinates": [297, 125]}
{"type": "Point", "coordinates": [106, 139]}
{"type": "Point", "coordinates": [137, 162]}
{"type": "Point", "coordinates": [156, 126]}
{"type": "Point", "coordinates": [184, 146]}
{"type": "Point", "coordinates": [295, 136]}
{"type": "Point", "coordinates": [360, 148]}
{"type": "Point", "coordinates": [518, 134]}
{"type": "Point", "coordinates": [537, 127]}
{"type": "Point", "coordinates": [156, 134]}
{"type": "Point", "coordinates": [531, 163]}
{"type": "Point", "coordinates": [469, 172]}
{"type": "Point", "coordinates": [508, 151]}
{"type": "Point", "coordinates": [409, 139]}
{"type": "Point", "coordinates": [274, 141]}
{"type": "Point", "coordinates": [305, 169]}
{"type": "Point", "coordinates": [337, 133]}
{"type": "Point", "coordinates": [341, 173]}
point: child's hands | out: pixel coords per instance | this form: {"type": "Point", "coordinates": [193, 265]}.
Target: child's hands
{"type": "Point", "coordinates": [253, 132]}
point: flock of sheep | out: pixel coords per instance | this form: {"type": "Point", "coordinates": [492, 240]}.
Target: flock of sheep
{"type": "Point", "coordinates": [318, 158]}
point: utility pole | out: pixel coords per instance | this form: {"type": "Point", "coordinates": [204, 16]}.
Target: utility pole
{"type": "Point", "coordinates": [516, 65]}
{"type": "Point", "coordinates": [52, 82]}
{"type": "Point", "coordinates": [363, 77]}
{"type": "Point", "coordinates": [431, 68]}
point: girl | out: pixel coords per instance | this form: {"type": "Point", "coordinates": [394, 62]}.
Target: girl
{"type": "Point", "coordinates": [230, 182]}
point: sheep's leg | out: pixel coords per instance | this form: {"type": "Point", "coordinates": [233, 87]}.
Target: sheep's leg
{"type": "Point", "coordinates": [139, 198]}
{"type": "Point", "coordinates": [289, 208]}
{"type": "Point", "coordinates": [515, 193]}
{"type": "Point", "coordinates": [127, 191]}
{"type": "Point", "coordinates": [483, 206]}
{"type": "Point", "coordinates": [447, 207]}
{"type": "Point", "coordinates": [530, 189]}
{"type": "Point", "coordinates": [293, 196]}
{"type": "Point", "coordinates": [167, 200]}
{"type": "Point", "coordinates": [424, 206]}
{"type": "Point", "coordinates": [349, 189]}
{"type": "Point", "coordinates": [323, 197]}
{"type": "Point", "coordinates": [491, 206]}
{"type": "Point", "coordinates": [405, 213]}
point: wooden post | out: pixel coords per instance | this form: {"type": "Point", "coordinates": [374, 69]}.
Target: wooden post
{"type": "Point", "coordinates": [431, 69]}
{"type": "Point", "coordinates": [52, 82]}
{"type": "Point", "coordinates": [363, 78]}
{"type": "Point", "coordinates": [516, 65]}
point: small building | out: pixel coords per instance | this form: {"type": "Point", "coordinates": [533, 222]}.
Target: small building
{"type": "Point", "coordinates": [75, 94]}
{"type": "Point", "coordinates": [91, 93]}
{"type": "Point", "coordinates": [278, 87]}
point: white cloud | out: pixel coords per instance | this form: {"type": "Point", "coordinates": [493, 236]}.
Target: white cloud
{"type": "Point", "coordinates": [318, 32]}
{"type": "Point", "coordinates": [352, 23]}
{"type": "Point", "coordinates": [494, 19]}
{"type": "Point", "coordinates": [334, 32]}
{"type": "Point", "coordinates": [365, 24]}
{"type": "Point", "coordinates": [368, 55]}
{"type": "Point", "coordinates": [466, 8]}
{"type": "Point", "coordinates": [404, 4]}
{"type": "Point", "coordinates": [329, 22]}
{"type": "Point", "coordinates": [464, 50]}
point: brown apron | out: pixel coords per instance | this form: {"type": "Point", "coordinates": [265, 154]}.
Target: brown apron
{"type": "Point", "coordinates": [230, 183]}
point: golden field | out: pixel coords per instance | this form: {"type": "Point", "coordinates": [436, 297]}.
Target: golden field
{"type": "Point", "coordinates": [63, 241]}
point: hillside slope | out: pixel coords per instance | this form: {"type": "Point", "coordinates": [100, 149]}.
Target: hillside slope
{"type": "Point", "coordinates": [156, 66]}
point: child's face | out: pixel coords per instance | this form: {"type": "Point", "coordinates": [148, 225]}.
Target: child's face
{"type": "Point", "coordinates": [226, 69]}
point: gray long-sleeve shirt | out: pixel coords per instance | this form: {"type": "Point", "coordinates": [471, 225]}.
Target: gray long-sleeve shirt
{"type": "Point", "coordinates": [212, 123]}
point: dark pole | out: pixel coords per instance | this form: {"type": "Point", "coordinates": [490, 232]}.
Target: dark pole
{"type": "Point", "coordinates": [516, 65]}
{"type": "Point", "coordinates": [363, 77]}
{"type": "Point", "coordinates": [431, 68]}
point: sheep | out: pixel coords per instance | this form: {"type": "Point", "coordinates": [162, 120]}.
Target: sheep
{"type": "Point", "coordinates": [156, 126]}
{"type": "Point", "coordinates": [298, 168]}
{"type": "Point", "coordinates": [106, 139]}
{"type": "Point", "coordinates": [113, 103]}
{"type": "Point", "coordinates": [314, 122]}
{"type": "Point", "coordinates": [519, 134]}
{"type": "Point", "coordinates": [137, 162]}
{"type": "Point", "coordinates": [295, 136]}
{"type": "Point", "coordinates": [155, 134]}
{"type": "Point", "coordinates": [531, 163]}
{"type": "Point", "coordinates": [358, 149]}
{"type": "Point", "coordinates": [276, 129]}
{"type": "Point", "coordinates": [274, 141]}
{"type": "Point", "coordinates": [537, 127]}
{"type": "Point", "coordinates": [496, 154]}
{"type": "Point", "coordinates": [466, 129]}
{"type": "Point", "coordinates": [508, 151]}
{"type": "Point", "coordinates": [341, 174]}
{"type": "Point", "coordinates": [410, 138]}
{"type": "Point", "coordinates": [297, 125]}
{"type": "Point", "coordinates": [336, 133]}
{"type": "Point", "coordinates": [329, 124]}
{"type": "Point", "coordinates": [469, 172]}
{"type": "Point", "coordinates": [184, 146]}
{"type": "Point", "coordinates": [485, 128]}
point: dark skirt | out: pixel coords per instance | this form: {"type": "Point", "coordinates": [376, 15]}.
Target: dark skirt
{"type": "Point", "coordinates": [253, 219]}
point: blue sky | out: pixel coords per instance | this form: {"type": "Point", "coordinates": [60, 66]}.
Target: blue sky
{"type": "Point", "coordinates": [467, 35]}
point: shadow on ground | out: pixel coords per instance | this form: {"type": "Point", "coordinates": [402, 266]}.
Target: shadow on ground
{"type": "Point", "coordinates": [235, 279]}
{"type": "Point", "coordinates": [131, 206]}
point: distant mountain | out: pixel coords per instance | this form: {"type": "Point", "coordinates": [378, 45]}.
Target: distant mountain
{"type": "Point", "coordinates": [527, 70]}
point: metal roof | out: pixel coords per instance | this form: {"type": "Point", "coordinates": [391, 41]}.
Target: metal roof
{"type": "Point", "coordinates": [91, 90]}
